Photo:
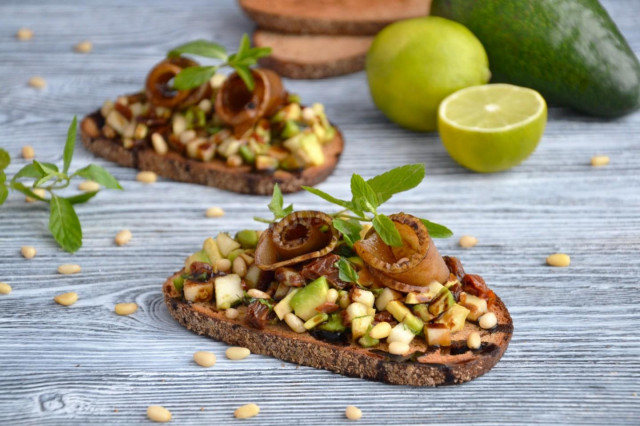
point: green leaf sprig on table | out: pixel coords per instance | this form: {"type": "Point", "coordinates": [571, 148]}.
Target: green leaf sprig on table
{"type": "Point", "coordinates": [63, 221]}
{"type": "Point", "coordinates": [241, 61]}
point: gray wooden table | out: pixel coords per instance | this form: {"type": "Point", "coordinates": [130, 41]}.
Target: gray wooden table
{"type": "Point", "coordinates": [575, 353]}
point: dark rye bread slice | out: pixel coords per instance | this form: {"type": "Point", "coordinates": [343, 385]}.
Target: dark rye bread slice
{"type": "Point", "coordinates": [312, 56]}
{"type": "Point", "coordinates": [436, 367]}
{"type": "Point", "coordinates": [341, 17]}
{"type": "Point", "coordinates": [215, 173]}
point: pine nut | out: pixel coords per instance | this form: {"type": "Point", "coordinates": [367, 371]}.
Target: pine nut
{"type": "Point", "coordinates": [488, 320]}
{"type": "Point", "coordinates": [69, 268]}
{"type": "Point", "coordinates": [147, 177]}
{"type": "Point", "coordinates": [217, 80]}
{"type": "Point", "coordinates": [159, 144]}
{"type": "Point", "coordinates": [126, 308]}
{"type": "Point", "coordinates": [258, 294]}
{"type": "Point", "coordinates": [28, 252]}
{"type": "Point", "coordinates": [89, 186]}
{"type": "Point", "coordinates": [353, 413]}
{"type": "Point", "coordinates": [205, 105]}
{"type": "Point", "coordinates": [66, 299]}
{"type": "Point", "coordinates": [223, 265]}
{"type": "Point", "coordinates": [24, 34]}
{"type": "Point", "coordinates": [467, 241]}
{"type": "Point", "coordinates": [37, 82]}
{"type": "Point", "coordinates": [5, 288]}
{"type": "Point", "coordinates": [187, 136]}
{"type": "Point", "coordinates": [237, 353]}
{"type": "Point", "coordinates": [204, 358]}
{"type": "Point", "coordinates": [83, 47]}
{"type": "Point", "coordinates": [239, 267]}
{"type": "Point", "coordinates": [294, 323]}
{"type": "Point", "coordinates": [600, 160]}
{"type": "Point", "coordinates": [380, 330]}
{"type": "Point", "coordinates": [123, 237]}
{"type": "Point", "coordinates": [559, 259]}
{"type": "Point", "coordinates": [214, 212]}
{"type": "Point", "coordinates": [39, 192]}
{"type": "Point", "coordinates": [232, 313]}
{"type": "Point", "coordinates": [27, 152]}
{"type": "Point", "coordinates": [178, 124]}
{"type": "Point", "coordinates": [246, 411]}
{"type": "Point", "coordinates": [157, 413]}
{"type": "Point", "coordinates": [474, 341]}
{"type": "Point", "coordinates": [398, 348]}
{"type": "Point", "coordinates": [332, 295]}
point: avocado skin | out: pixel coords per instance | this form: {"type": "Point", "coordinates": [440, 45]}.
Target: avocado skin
{"type": "Point", "coordinates": [569, 50]}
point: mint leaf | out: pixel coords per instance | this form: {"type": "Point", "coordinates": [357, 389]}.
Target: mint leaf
{"type": "Point", "coordinates": [204, 48]}
{"type": "Point", "coordinates": [387, 230]}
{"type": "Point", "coordinates": [350, 230]}
{"type": "Point", "coordinates": [345, 271]}
{"type": "Point", "coordinates": [397, 180]}
{"type": "Point", "coordinates": [45, 168]}
{"type": "Point", "coordinates": [5, 159]}
{"type": "Point", "coordinates": [98, 174]}
{"type": "Point", "coordinates": [64, 224]}
{"type": "Point", "coordinates": [436, 230]}
{"type": "Point", "coordinates": [329, 198]}
{"type": "Point", "coordinates": [192, 77]}
{"type": "Point", "coordinates": [245, 46]}
{"type": "Point", "coordinates": [277, 202]}
{"type": "Point", "coordinates": [4, 191]}
{"type": "Point", "coordinates": [30, 171]}
{"type": "Point", "coordinates": [246, 76]}
{"type": "Point", "coordinates": [364, 197]}
{"type": "Point", "coordinates": [26, 191]}
{"type": "Point", "coordinates": [82, 198]}
{"type": "Point", "coordinates": [70, 144]}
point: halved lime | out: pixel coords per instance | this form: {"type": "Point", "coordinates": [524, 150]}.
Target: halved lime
{"type": "Point", "coordinates": [493, 127]}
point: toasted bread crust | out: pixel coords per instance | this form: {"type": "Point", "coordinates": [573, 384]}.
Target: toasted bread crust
{"type": "Point", "coordinates": [439, 367]}
{"type": "Point", "coordinates": [214, 173]}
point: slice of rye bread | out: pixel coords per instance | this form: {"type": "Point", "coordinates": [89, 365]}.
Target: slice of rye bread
{"type": "Point", "coordinates": [312, 56]}
{"type": "Point", "coordinates": [341, 17]}
{"type": "Point", "coordinates": [213, 173]}
{"type": "Point", "coordinates": [438, 366]}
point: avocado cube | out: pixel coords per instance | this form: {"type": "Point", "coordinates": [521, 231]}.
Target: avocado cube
{"type": "Point", "coordinates": [437, 335]}
{"type": "Point", "coordinates": [226, 244]}
{"type": "Point", "coordinates": [199, 256]}
{"type": "Point", "coordinates": [454, 317]}
{"type": "Point", "coordinates": [195, 291]}
{"type": "Point", "coordinates": [290, 129]}
{"type": "Point", "coordinates": [422, 311]}
{"type": "Point", "coordinates": [414, 323]}
{"type": "Point", "coordinates": [443, 301]}
{"type": "Point", "coordinates": [397, 309]}
{"type": "Point", "coordinates": [308, 298]}
{"type": "Point", "coordinates": [333, 324]}
{"type": "Point", "coordinates": [360, 325]}
{"type": "Point", "coordinates": [476, 305]}
{"type": "Point", "coordinates": [247, 238]}
{"type": "Point", "coordinates": [283, 307]}
{"type": "Point", "coordinates": [228, 290]}
{"type": "Point", "coordinates": [367, 341]}
{"type": "Point", "coordinates": [211, 248]}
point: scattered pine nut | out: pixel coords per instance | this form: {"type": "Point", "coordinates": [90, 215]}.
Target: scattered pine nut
{"type": "Point", "coordinates": [223, 265]}
{"type": "Point", "coordinates": [236, 353]}
{"type": "Point", "coordinates": [231, 313]}
{"type": "Point", "coordinates": [28, 252]}
{"type": "Point", "coordinates": [123, 237]}
{"type": "Point", "coordinates": [159, 144]}
{"type": "Point", "coordinates": [467, 241]}
{"type": "Point", "coordinates": [5, 288]}
{"type": "Point", "coordinates": [239, 266]}
{"type": "Point", "coordinates": [89, 186]}
{"type": "Point", "coordinates": [600, 160]}
{"type": "Point", "coordinates": [147, 177]}
{"type": "Point", "coordinates": [246, 411]}
{"type": "Point", "coordinates": [27, 152]}
{"type": "Point", "coordinates": [559, 259]}
{"type": "Point", "coordinates": [37, 82]}
{"type": "Point", "coordinates": [488, 320]}
{"type": "Point", "coordinates": [398, 348]}
{"type": "Point", "coordinates": [157, 413]}
{"type": "Point", "coordinates": [258, 294]}
{"type": "Point", "coordinates": [24, 34]}
{"type": "Point", "coordinates": [204, 358]}
{"type": "Point", "coordinates": [83, 47]}
{"type": "Point", "coordinates": [66, 299]}
{"type": "Point", "coordinates": [205, 105]}
{"type": "Point", "coordinates": [474, 341]}
{"type": "Point", "coordinates": [353, 413]}
{"type": "Point", "coordinates": [380, 330]}
{"type": "Point", "coordinates": [39, 192]}
{"type": "Point", "coordinates": [69, 268]}
{"type": "Point", "coordinates": [294, 323]}
{"type": "Point", "coordinates": [126, 308]}
{"type": "Point", "coordinates": [332, 295]}
{"type": "Point", "coordinates": [214, 212]}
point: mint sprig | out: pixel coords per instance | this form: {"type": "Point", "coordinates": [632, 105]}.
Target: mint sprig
{"type": "Point", "coordinates": [241, 62]}
{"type": "Point", "coordinates": [276, 207]}
{"type": "Point", "coordinates": [64, 223]}
{"type": "Point", "coordinates": [346, 272]}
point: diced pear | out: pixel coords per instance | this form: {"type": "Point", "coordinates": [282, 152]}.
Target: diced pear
{"type": "Point", "coordinates": [443, 301]}
{"type": "Point", "coordinates": [253, 276]}
{"type": "Point", "coordinates": [363, 296]}
{"type": "Point", "coordinates": [454, 317]}
{"type": "Point", "coordinates": [226, 244]}
{"type": "Point", "coordinates": [385, 297]}
{"type": "Point", "coordinates": [437, 335]}
{"type": "Point", "coordinates": [312, 149]}
{"type": "Point", "coordinates": [283, 307]}
{"type": "Point", "coordinates": [360, 325]}
{"type": "Point", "coordinates": [195, 291]}
{"type": "Point", "coordinates": [476, 305]}
{"type": "Point", "coordinates": [199, 256]}
{"type": "Point", "coordinates": [400, 333]}
{"type": "Point", "coordinates": [228, 290]}
{"type": "Point", "coordinates": [211, 248]}
{"type": "Point", "coordinates": [397, 309]}
{"type": "Point", "coordinates": [422, 311]}
{"type": "Point", "coordinates": [431, 290]}
{"type": "Point", "coordinates": [355, 310]}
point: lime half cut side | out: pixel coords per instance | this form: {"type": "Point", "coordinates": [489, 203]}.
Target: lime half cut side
{"type": "Point", "coordinates": [493, 127]}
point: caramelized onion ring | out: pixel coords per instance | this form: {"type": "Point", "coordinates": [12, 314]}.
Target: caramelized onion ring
{"type": "Point", "coordinates": [406, 268]}
{"type": "Point", "coordinates": [160, 94]}
{"type": "Point", "coordinates": [297, 237]}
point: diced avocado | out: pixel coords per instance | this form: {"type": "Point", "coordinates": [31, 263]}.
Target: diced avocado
{"type": "Point", "coordinates": [211, 248]}
{"type": "Point", "coordinates": [414, 323]}
{"type": "Point", "coordinates": [476, 305]}
{"type": "Point", "coordinates": [437, 335]}
{"type": "Point", "coordinates": [178, 283]}
{"type": "Point", "coordinates": [315, 320]}
{"type": "Point", "coordinates": [422, 311]}
{"type": "Point", "coordinates": [247, 155]}
{"type": "Point", "coordinates": [235, 253]}
{"type": "Point", "coordinates": [401, 333]}
{"type": "Point", "coordinates": [253, 276]}
{"type": "Point", "coordinates": [360, 325]}
{"type": "Point", "coordinates": [199, 256]}
{"type": "Point", "coordinates": [196, 291]}
{"type": "Point", "coordinates": [443, 301]}
{"type": "Point", "coordinates": [247, 238]}
{"type": "Point", "coordinates": [283, 307]}
{"type": "Point", "coordinates": [355, 310]}
{"type": "Point", "coordinates": [454, 317]}
{"type": "Point", "coordinates": [363, 296]}
{"type": "Point", "coordinates": [312, 148]}
{"type": "Point", "coordinates": [308, 298]}
{"type": "Point", "coordinates": [226, 244]}
{"type": "Point", "coordinates": [367, 341]}
{"type": "Point", "coordinates": [397, 309]}
{"type": "Point", "coordinates": [290, 129]}
{"type": "Point", "coordinates": [385, 297]}
{"type": "Point", "coordinates": [228, 290]}
{"type": "Point", "coordinates": [333, 324]}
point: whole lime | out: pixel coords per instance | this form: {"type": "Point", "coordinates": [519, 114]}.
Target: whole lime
{"type": "Point", "coordinates": [414, 64]}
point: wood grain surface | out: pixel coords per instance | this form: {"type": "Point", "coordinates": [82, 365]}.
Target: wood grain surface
{"type": "Point", "coordinates": [575, 353]}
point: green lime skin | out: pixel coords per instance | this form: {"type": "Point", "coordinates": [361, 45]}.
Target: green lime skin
{"type": "Point", "coordinates": [414, 64]}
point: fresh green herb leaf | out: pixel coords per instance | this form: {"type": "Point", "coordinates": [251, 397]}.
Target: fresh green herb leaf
{"type": "Point", "coordinates": [329, 198]}
{"type": "Point", "coordinates": [64, 224]}
{"type": "Point", "coordinates": [203, 48]}
{"type": "Point", "coordinates": [364, 198]}
{"type": "Point", "coordinates": [276, 204]}
{"type": "Point", "coordinates": [98, 174]}
{"type": "Point", "coordinates": [5, 159]}
{"type": "Point", "coordinates": [69, 146]}
{"type": "Point", "coordinates": [3, 177]}
{"type": "Point", "coordinates": [397, 180]}
{"type": "Point", "coordinates": [436, 230]}
{"type": "Point", "coordinates": [244, 47]}
{"type": "Point", "coordinates": [4, 192]}
{"type": "Point", "coordinates": [387, 230]}
{"type": "Point", "coordinates": [44, 169]}
{"type": "Point", "coordinates": [30, 171]}
{"type": "Point", "coordinates": [193, 77]}
{"type": "Point", "coordinates": [350, 230]}
{"type": "Point", "coordinates": [82, 198]}
{"type": "Point", "coordinates": [246, 76]}
{"type": "Point", "coordinates": [345, 271]}
{"type": "Point", "coordinates": [18, 186]}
